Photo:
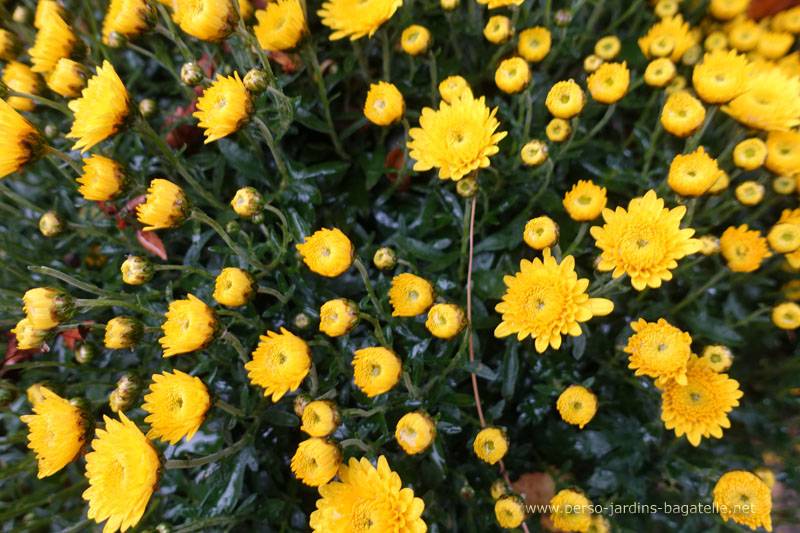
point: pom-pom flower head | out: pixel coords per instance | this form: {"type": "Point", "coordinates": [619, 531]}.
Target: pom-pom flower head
{"type": "Point", "coordinates": [607, 48]}
{"type": "Point", "coordinates": [585, 201]}
{"type": "Point", "coordinates": [247, 202]}
{"type": "Point", "coordinates": [491, 445]}
{"type": "Point", "coordinates": [177, 406]}
{"type": "Point", "coordinates": [692, 174]}
{"type": "Point", "coordinates": [683, 114]}
{"type": "Point", "coordinates": [610, 82]}
{"type": "Point", "coordinates": [166, 206]}
{"type": "Point", "coordinates": [659, 72]}
{"type": "Point", "coordinates": [224, 107]}
{"type": "Point", "coordinates": [750, 154]}
{"type": "Point", "coordinates": [376, 370]}
{"type": "Point", "coordinates": [28, 337]}
{"type": "Point", "coordinates": [234, 287]}
{"type": "Point", "coordinates": [786, 315]}
{"type": "Point", "coordinates": [370, 496]}
{"type": "Point", "coordinates": [415, 432]}
{"type": "Point", "coordinates": [565, 99]}
{"type": "Point", "coordinates": [320, 418]}
{"type": "Point", "coordinates": [645, 241]}
{"type": "Point", "coordinates": [678, 32]}
{"type": "Point", "coordinates": [281, 25]}
{"type": "Point", "coordinates": [513, 75]}
{"type": "Point", "coordinates": [509, 511]}
{"type": "Point", "coordinates": [721, 77]}
{"type": "Point", "coordinates": [356, 18]}
{"type": "Point", "coordinates": [534, 153]}
{"type": "Point", "coordinates": [328, 252]}
{"type": "Point", "coordinates": [102, 110]}
{"type": "Point", "coordinates": [452, 87]}
{"type": "Point", "coordinates": [47, 307]}
{"type": "Point", "coordinates": [457, 139]}
{"type": "Point", "coordinates": [558, 130]}
{"type": "Point", "coordinates": [384, 105]}
{"type": "Point", "coordinates": [103, 179]}
{"type": "Point", "coordinates": [19, 77]}
{"type": "Point", "coordinates": [749, 192]}
{"type": "Point", "coordinates": [743, 249]}
{"type": "Point", "coordinates": [123, 332]}
{"type": "Point", "coordinates": [534, 44]}
{"type": "Point", "coordinates": [541, 233]}
{"type": "Point", "coordinates": [208, 20]}
{"type": "Point", "coordinates": [191, 326]}
{"type": "Point", "coordinates": [316, 461]}
{"type": "Point", "coordinates": [783, 152]}
{"type": "Point", "coordinates": [577, 405]}
{"type": "Point", "coordinates": [546, 300]}
{"type": "Point", "coordinates": [280, 363]}
{"type": "Point", "coordinates": [54, 40]}
{"type": "Point", "coordinates": [659, 350]}
{"type": "Point", "coordinates": [699, 408]}
{"type": "Point", "coordinates": [128, 17]}
{"type": "Point", "coordinates": [498, 29]}
{"type": "Point", "coordinates": [415, 40]}
{"type": "Point", "coordinates": [338, 317]}
{"type": "Point", "coordinates": [410, 295]}
{"type": "Point", "coordinates": [718, 357]}
{"type": "Point", "coordinates": [20, 141]}
{"type": "Point", "coordinates": [445, 320]}
{"type": "Point", "coordinates": [571, 511]}
{"type": "Point", "coordinates": [744, 498]}
{"type": "Point", "coordinates": [771, 102]}
{"type": "Point", "coordinates": [68, 78]}
{"type": "Point", "coordinates": [57, 432]}
{"type": "Point", "coordinates": [123, 471]}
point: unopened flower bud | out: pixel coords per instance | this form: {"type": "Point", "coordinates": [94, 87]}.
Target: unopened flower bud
{"type": "Point", "coordinates": [466, 492]}
{"type": "Point", "coordinates": [467, 187]}
{"type": "Point", "coordinates": [80, 402]}
{"type": "Point", "coordinates": [247, 202]}
{"type": "Point", "coordinates": [300, 404]}
{"type": "Point", "coordinates": [137, 270]}
{"type": "Point", "coordinates": [192, 74]}
{"type": "Point", "coordinates": [163, 528]}
{"type": "Point", "coordinates": [563, 17]}
{"type": "Point", "coordinates": [148, 107]}
{"type": "Point", "coordinates": [10, 46]}
{"type": "Point", "coordinates": [338, 317]}
{"type": "Point", "coordinates": [117, 403]}
{"type": "Point", "coordinates": [123, 332]}
{"type": "Point", "coordinates": [22, 15]}
{"type": "Point", "coordinates": [232, 227]}
{"type": "Point", "coordinates": [129, 386]}
{"type": "Point", "coordinates": [47, 307]}
{"type": "Point", "coordinates": [51, 131]}
{"type": "Point", "coordinates": [499, 488]}
{"type": "Point", "coordinates": [385, 258]}
{"type": "Point", "coordinates": [256, 81]}
{"type": "Point", "coordinates": [116, 39]}
{"type": "Point", "coordinates": [257, 218]}
{"type": "Point", "coordinates": [50, 224]}
{"type": "Point", "coordinates": [302, 321]}
{"type": "Point", "coordinates": [85, 353]}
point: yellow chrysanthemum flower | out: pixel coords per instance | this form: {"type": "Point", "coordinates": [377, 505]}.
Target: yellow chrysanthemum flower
{"type": "Point", "coordinates": [498, 29]}
{"type": "Point", "coordinates": [698, 409]}
{"type": "Point", "coordinates": [570, 511]}
{"type": "Point", "coordinates": [166, 206]}
{"type": "Point", "coordinates": [692, 174]}
{"type": "Point", "coordinates": [791, 290]}
{"type": "Point", "coordinates": [610, 82]}
{"type": "Point", "coordinates": [721, 77]}
{"type": "Point", "coordinates": [744, 34]}
{"type": "Point", "coordinates": [28, 337]}
{"type": "Point", "coordinates": [784, 184]}
{"type": "Point", "coordinates": [247, 202]}
{"type": "Point", "coordinates": [720, 184]}
{"type": "Point", "coordinates": [727, 9]}
{"type": "Point", "coordinates": [665, 8]}
{"type": "Point", "coordinates": [494, 4]}
{"type": "Point", "coordinates": [320, 418]}
{"type": "Point", "coordinates": [784, 237]}
{"type": "Point", "coordinates": [565, 99]}
{"type": "Point", "coordinates": [541, 233]}
{"type": "Point", "coordinates": [750, 154]}
{"type": "Point", "coordinates": [557, 130]}
{"type": "Point", "coordinates": [280, 363]}
{"type": "Point", "coordinates": [177, 406]}
{"type": "Point", "coordinates": [599, 523]}
{"type": "Point", "coordinates": [509, 511]}
{"type": "Point", "coordinates": [577, 405]}
{"type": "Point", "coordinates": [385, 104]}
{"type": "Point", "coordinates": [47, 307]}
{"type": "Point", "coordinates": [645, 241]}
{"type": "Point", "coordinates": [783, 152]}
{"type": "Point", "coordinates": [766, 475]}
{"type": "Point", "coordinates": [54, 40]}
{"type": "Point", "coordinates": [716, 40]}
{"type": "Point", "coordinates": [546, 300]}
{"type": "Point", "coordinates": [338, 317]}
{"type": "Point", "coordinates": [136, 270]}
{"type": "Point", "coordinates": [123, 471]}
{"type": "Point", "coordinates": [513, 75]}
{"type": "Point", "coordinates": [328, 252]}
{"type": "Point", "coordinates": [491, 445]}
{"type": "Point", "coordinates": [415, 432]}
{"type": "Point", "coordinates": [683, 114]}
{"type": "Point", "coordinates": [771, 102]}
{"type": "Point", "coordinates": [102, 110]}
{"type": "Point", "coordinates": [316, 461]}
{"type": "Point", "coordinates": [410, 295]}
{"type": "Point", "coordinates": [744, 498]}
{"type": "Point", "coordinates": [356, 18]}
{"type": "Point", "coordinates": [677, 84]}
{"type": "Point", "coordinates": [585, 201]}
{"type": "Point", "coordinates": [659, 72]}
{"type": "Point", "coordinates": [749, 192]}
{"type": "Point", "coordinates": [20, 141]}
{"type": "Point", "coordinates": [457, 139]}
{"type": "Point", "coordinates": [534, 43]}
{"type": "Point", "coordinates": [415, 40]}
{"type": "Point", "coordinates": [445, 320]}
{"type": "Point", "coordinates": [678, 32]}
{"type": "Point", "coordinates": [19, 77]}
{"type": "Point", "coordinates": [659, 350]}
{"type": "Point", "coordinates": [224, 107]}
{"type": "Point", "coordinates": [57, 432]}
{"type": "Point", "coordinates": [718, 357]}
{"type": "Point", "coordinates": [743, 249]}
{"type": "Point", "coordinates": [128, 17]}
{"type": "Point", "coordinates": [591, 63]}
{"type": "Point", "coordinates": [774, 45]}
{"type": "Point", "coordinates": [103, 179]}
{"type": "Point", "coordinates": [608, 47]}
{"type": "Point", "coordinates": [208, 20]}
{"type": "Point", "coordinates": [123, 332]}
{"type": "Point", "coordinates": [534, 153]}
{"type": "Point", "coordinates": [281, 25]}
{"type": "Point", "coordinates": [453, 87]}
{"type": "Point", "coordinates": [68, 78]}
{"type": "Point", "coordinates": [786, 315]}
{"type": "Point", "coordinates": [191, 326]}
{"type": "Point", "coordinates": [43, 10]}
{"type": "Point", "coordinates": [10, 46]}
{"type": "Point", "coordinates": [234, 287]}
{"type": "Point", "coordinates": [367, 496]}
{"type": "Point", "coordinates": [376, 370]}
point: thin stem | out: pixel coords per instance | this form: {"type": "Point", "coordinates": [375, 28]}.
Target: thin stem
{"type": "Point", "coordinates": [651, 148]}
{"type": "Point", "coordinates": [170, 33]}
{"type": "Point", "coordinates": [751, 316]}
{"type": "Point", "coordinates": [362, 61]}
{"type": "Point", "coordinates": [278, 213]}
{"type": "Point", "coordinates": [55, 152]}
{"type": "Point", "coordinates": [200, 216]}
{"type": "Point", "coordinates": [231, 339]}
{"type": "Point", "coordinates": [364, 414]}
{"type": "Point", "coordinates": [694, 140]}
{"type": "Point", "coordinates": [42, 100]}
{"type": "Point", "coordinates": [690, 212]}
{"type": "Point", "coordinates": [434, 78]}
{"type": "Point", "coordinates": [368, 284]}
{"type": "Point", "coordinates": [274, 150]}
{"type": "Point", "coordinates": [691, 297]}
{"type": "Point", "coordinates": [469, 313]}
{"type": "Point", "coordinates": [107, 302]}
{"type": "Point", "coordinates": [412, 390]}
{"type": "Point", "coordinates": [228, 408]}
{"type": "Point", "coordinates": [386, 53]}
{"type": "Point", "coordinates": [214, 457]}
{"type": "Point", "coordinates": [358, 443]}
{"type": "Point", "coordinates": [266, 290]}
{"type": "Point", "coordinates": [88, 287]}
{"type": "Point", "coordinates": [577, 240]}
{"type": "Point", "coordinates": [603, 289]}
{"type": "Point", "coordinates": [597, 127]}
{"type": "Point", "coordinates": [316, 73]}
{"type": "Point", "coordinates": [191, 270]}
{"type": "Point", "coordinates": [314, 379]}
{"type": "Point", "coordinates": [377, 326]}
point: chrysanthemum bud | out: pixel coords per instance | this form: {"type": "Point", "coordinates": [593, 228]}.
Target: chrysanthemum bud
{"type": "Point", "coordinates": [449, 5]}
{"type": "Point", "coordinates": [258, 218]}
{"type": "Point", "coordinates": [320, 418]}
{"type": "Point", "coordinates": [247, 202]}
{"type": "Point", "coordinates": [541, 233]}
{"type": "Point", "coordinates": [192, 74]}
{"type": "Point", "coordinates": [691, 56]}
{"type": "Point", "coordinates": [498, 29]}
{"type": "Point", "coordinates": [384, 105]}
{"type": "Point", "coordinates": [491, 444]}
{"type": "Point", "coordinates": [85, 353]}
{"type": "Point", "coordinates": [10, 46]}
{"type": "Point", "coordinates": [116, 39]}
{"type": "Point", "coordinates": [415, 432]}
{"type": "Point", "coordinates": [784, 184]}
{"type": "Point", "coordinates": [50, 224]}
{"type": "Point", "coordinates": [499, 488]}
{"type": "Point", "coordinates": [302, 321]}
{"type": "Point", "coordinates": [129, 386]}
{"type": "Point", "coordinates": [117, 403]}
{"type": "Point", "coordinates": [466, 492]}
{"type": "Point", "coordinates": [232, 227]}
{"type": "Point", "coordinates": [592, 63]}
{"type": "Point", "coordinates": [47, 307]}
{"type": "Point", "coordinates": [415, 40]}
{"type": "Point", "coordinates": [338, 317]}
{"type": "Point", "coordinates": [51, 131]}
{"type": "Point", "coordinates": [80, 402]}
{"type": "Point", "coordinates": [234, 287]}
{"type": "Point", "coordinates": [534, 153]}
{"type": "Point", "coordinates": [137, 270]}
{"type": "Point", "coordinates": [22, 15]}
{"type": "Point", "coordinates": [166, 206]}
{"type": "Point", "coordinates": [385, 258]}
{"type": "Point", "coordinates": [163, 528]}
{"type": "Point", "coordinates": [445, 320]}
{"type": "Point", "coordinates": [123, 332]}
{"type": "Point", "coordinates": [563, 17]}
{"type": "Point", "coordinates": [467, 187]}
{"type": "Point", "coordinates": [300, 403]}
{"type": "Point", "coordinates": [509, 510]}
{"type": "Point", "coordinates": [148, 107]}
{"type": "Point", "coordinates": [256, 81]}
{"type": "Point", "coordinates": [710, 245]}
{"type": "Point", "coordinates": [8, 392]}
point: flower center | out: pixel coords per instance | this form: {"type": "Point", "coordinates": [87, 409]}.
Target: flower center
{"type": "Point", "coordinates": [376, 370]}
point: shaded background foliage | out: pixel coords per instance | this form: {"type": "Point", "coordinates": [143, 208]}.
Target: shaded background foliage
{"type": "Point", "coordinates": [623, 456]}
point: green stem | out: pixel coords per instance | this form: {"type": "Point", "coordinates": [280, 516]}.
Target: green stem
{"type": "Point", "coordinates": [694, 140]}
{"type": "Point", "coordinates": [316, 73]}
{"type": "Point", "coordinates": [88, 287]}
{"type": "Point", "coordinates": [42, 100]}
{"type": "Point", "coordinates": [412, 390]}
{"type": "Point", "coordinates": [214, 457]}
{"type": "Point", "coordinates": [108, 302]}
{"type": "Point", "coordinates": [386, 53]}
{"type": "Point", "coordinates": [377, 326]}
{"type": "Point", "coordinates": [358, 443]}
{"type": "Point", "coordinates": [364, 414]}
{"type": "Point", "coordinates": [49, 150]}
{"type": "Point", "coordinates": [691, 297]}
{"type": "Point", "coordinates": [434, 78]}
{"type": "Point", "coordinates": [169, 32]}
{"type": "Point", "coordinates": [751, 316]}
{"type": "Point", "coordinates": [272, 292]}
{"type": "Point", "coordinates": [230, 338]}
{"type": "Point", "coordinates": [191, 270]}
{"type": "Point", "coordinates": [314, 379]}
{"type": "Point", "coordinates": [578, 239]}
{"type": "Point", "coordinates": [651, 148]}
{"type": "Point", "coordinates": [362, 61]}
{"type": "Point", "coordinates": [597, 127]}
{"type": "Point", "coordinates": [368, 284]}
{"type": "Point", "coordinates": [200, 216]}
{"type": "Point", "coordinates": [690, 212]}
{"type": "Point", "coordinates": [274, 150]}
{"type": "Point", "coordinates": [603, 289]}
{"type": "Point", "coordinates": [228, 408]}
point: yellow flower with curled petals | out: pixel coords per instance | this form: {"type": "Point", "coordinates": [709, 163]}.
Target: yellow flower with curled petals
{"type": "Point", "coordinates": [177, 406]}
{"type": "Point", "coordinates": [659, 350]}
{"type": "Point", "coordinates": [224, 107]}
{"type": "Point", "coordinates": [165, 206]}
{"type": "Point", "coordinates": [585, 201]}
{"type": "Point", "coordinates": [577, 405]}
{"type": "Point", "coordinates": [744, 498]}
{"type": "Point", "coordinates": [280, 363]}
{"type": "Point", "coordinates": [47, 307]}
{"type": "Point", "coordinates": [10, 46]}
{"type": "Point", "coordinates": [54, 40]}
{"type": "Point", "coordinates": [784, 237]}
{"type": "Point", "coordinates": [28, 337]}
{"type": "Point", "coordinates": [718, 357]}
{"type": "Point", "coordinates": [415, 40]}
{"type": "Point", "coordinates": [191, 326]}
{"type": "Point", "coordinates": [571, 511]}
{"type": "Point", "coordinates": [57, 432]}
{"type": "Point", "coordinates": [546, 300]}
{"type": "Point", "coordinates": [21, 78]}
{"type": "Point", "coordinates": [557, 130]}
{"type": "Point", "coordinates": [385, 104]}
{"type": "Point", "coordinates": [452, 87]}
{"type": "Point", "coordinates": [208, 20]}
{"type": "Point", "coordinates": [457, 139]}
{"type": "Point", "coordinates": [682, 114]}
{"type": "Point", "coordinates": [610, 82]}
{"type": "Point", "coordinates": [44, 8]}
{"type": "Point", "coordinates": [68, 78]}
{"type": "Point", "coordinates": [565, 99]}
{"type": "Point", "coordinates": [786, 315]}
{"type": "Point", "coordinates": [356, 18]}
{"type": "Point", "coordinates": [783, 152]}
{"type": "Point", "coordinates": [316, 461]}
{"type": "Point", "coordinates": [541, 233]}
{"type": "Point", "coordinates": [376, 370]}
{"type": "Point", "coordinates": [750, 154]}
{"type": "Point", "coordinates": [281, 25]}
{"type": "Point", "coordinates": [659, 72]}
{"type": "Point", "coordinates": [328, 252]}
{"type": "Point", "coordinates": [128, 17]}
{"type": "Point", "coordinates": [673, 28]}
{"type": "Point", "coordinates": [534, 43]}
{"type": "Point", "coordinates": [692, 174]}
{"type": "Point", "coordinates": [20, 142]}
{"type": "Point", "coordinates": [607, 48]}
{"type": "Point", "coordinates": [338, 317]}
{"type": "Point", "coordinates": [513, 75]}
{"type": "Point", "coordinates": [102, 110]}
{"type": "Point", "coordinates": [771, 102]}
{"type": "Point", "coordinates": [415, 432]}
{"type": "Point", "coordinates": [645, 241]}
{"type": "Point", "coordinates": [410, 295]}
{"type": "Point", "coordinates": [721, 77]}
{"type": "Point", "coordinates": [234, 287]}
{"type": "Point", "coordinates": [103, 179]}
{"type": "Point", "coordinates": [491, 445]}
{"type": "Point", "coordinates": [445, 320]}
{"type": "Point", "coordinates": [534, 153]}
{"type": "Point", "coordinates": [498, 29]}
{"type": "Point", "coordinates": [743, 249]}
{"type": "Point", "coordinates": [320, 418]}
{"type": "Point", "coordinates": [509, 510]}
